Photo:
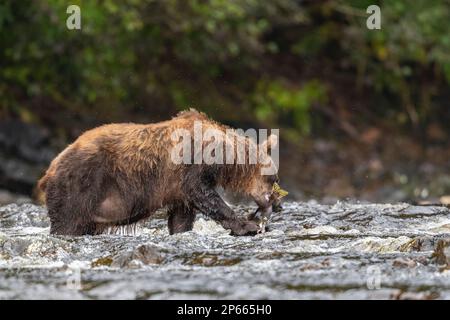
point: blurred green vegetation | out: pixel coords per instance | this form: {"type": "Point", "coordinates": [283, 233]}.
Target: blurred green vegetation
{"type": "Point", "coordinates": [299, 65]}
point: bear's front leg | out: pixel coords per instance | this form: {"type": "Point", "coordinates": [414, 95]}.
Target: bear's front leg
{"type": "Point", "coordinates": [209, 202]}
{"type": "Point", "coordinates": [181, 218]}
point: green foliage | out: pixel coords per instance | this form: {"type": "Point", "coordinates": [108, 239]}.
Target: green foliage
{"type": "Point", "coordinates": [237, 60]}
{"type": "Point", "coordinates": [408, 57]}
{"type": "Point", "coordinates": [275, 101]}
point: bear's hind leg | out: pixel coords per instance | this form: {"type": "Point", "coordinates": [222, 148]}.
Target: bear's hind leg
{"type": "Point", "coordinates": [70, 213]}
{"type": "Point", "coordinates": [181, 218]}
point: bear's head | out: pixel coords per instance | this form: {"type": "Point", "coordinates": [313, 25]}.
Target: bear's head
{"type": "Point", "coordinates": [260, 186]}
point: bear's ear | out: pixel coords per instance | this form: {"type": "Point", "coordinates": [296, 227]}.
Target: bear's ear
{"type": "Point", "coordinates": [270, 143]}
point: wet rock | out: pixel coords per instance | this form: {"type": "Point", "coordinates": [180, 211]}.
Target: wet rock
{"type": "Point", "coordinates": [142, 255]}
{"type": "Point", "coordinates": [381, 245]}
{"type": "Point", "coordinates": [14, 247]}
{"type": "Point", "coordinates": [405, 295]}
{"type": "Point", "coordinates": [422, 244]}
{"type": "Point", "coordinates": [422, 211]}
{"type": "Point", "coordinates": [404, 263]}
{"type": "Point", "coordinates": [102, 262]}
{"type": "Point", "coordinates": [441, 254]}
{"type": "Point", "coordinates": [24, 154]}
{"type": "Point", "coordinates": [209, 260]}
{"type": "Point", "coordinates": [324, 264]}
{"type": "Point", "coordinates": [308, 225]}
{"type": "Point", "coordinates": [25, 215]}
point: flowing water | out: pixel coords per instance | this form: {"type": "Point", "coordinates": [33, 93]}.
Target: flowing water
{"type": "Point", "coordinates": [346, 250]}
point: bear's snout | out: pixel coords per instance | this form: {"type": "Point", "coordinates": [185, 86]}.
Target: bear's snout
{"type": "Point", "coordinates": [263, 200]}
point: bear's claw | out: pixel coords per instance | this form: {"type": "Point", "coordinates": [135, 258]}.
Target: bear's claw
{"type": "Point", "coordinates": [245, 228]}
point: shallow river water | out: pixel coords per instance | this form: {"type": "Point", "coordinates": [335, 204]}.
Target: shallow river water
{"type": "Point", "coordinates": [312, 251]}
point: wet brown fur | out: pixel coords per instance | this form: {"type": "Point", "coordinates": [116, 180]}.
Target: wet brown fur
{"type": "Point", "coordinates": [118, 174]}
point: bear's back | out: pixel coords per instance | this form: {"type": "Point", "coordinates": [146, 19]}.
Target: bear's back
{"type": "Point", "coordinates": [130, 146]}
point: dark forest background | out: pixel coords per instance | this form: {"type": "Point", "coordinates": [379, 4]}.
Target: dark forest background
{"type": "Point", "coordinates": [363, 113]}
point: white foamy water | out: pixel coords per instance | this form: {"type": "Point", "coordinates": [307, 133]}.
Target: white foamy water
{"type": "Point", "coordinates": [311, 251]}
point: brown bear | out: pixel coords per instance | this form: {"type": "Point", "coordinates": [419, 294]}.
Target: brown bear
{"type": "Point", "coordinates": [119, 174]}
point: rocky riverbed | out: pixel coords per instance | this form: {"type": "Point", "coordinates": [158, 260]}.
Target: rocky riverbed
{"type": "Point", "coordinates": [313, 251]}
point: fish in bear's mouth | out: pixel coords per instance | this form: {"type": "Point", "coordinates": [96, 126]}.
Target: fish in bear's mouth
{"type": "Point", "coordinates": [262, 215]}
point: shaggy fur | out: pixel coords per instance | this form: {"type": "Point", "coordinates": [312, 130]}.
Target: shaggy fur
{"type": "Point", "coordinates": [119, 174]}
